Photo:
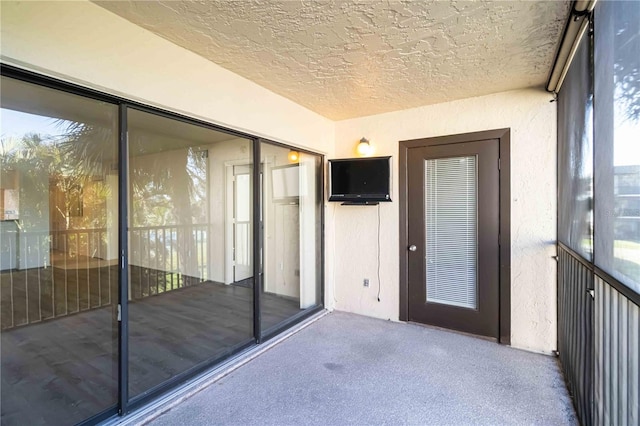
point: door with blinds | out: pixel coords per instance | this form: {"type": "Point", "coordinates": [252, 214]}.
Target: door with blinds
{"type": "Point", "coordinates": [453, 226]}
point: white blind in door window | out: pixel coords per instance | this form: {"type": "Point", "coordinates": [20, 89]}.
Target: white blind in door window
{"type": "Point", "coordinates": [451, 230]}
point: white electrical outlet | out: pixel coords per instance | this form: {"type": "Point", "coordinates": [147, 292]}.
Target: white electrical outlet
{"type": "Point", "coordinates": [366, 282]}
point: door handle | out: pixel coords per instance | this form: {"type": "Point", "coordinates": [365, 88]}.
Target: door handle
{"type": "Point", "coordinates": [412, 247]}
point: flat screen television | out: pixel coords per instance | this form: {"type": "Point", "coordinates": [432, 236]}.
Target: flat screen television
{"type": "Point", "coordinates": [360, 180]}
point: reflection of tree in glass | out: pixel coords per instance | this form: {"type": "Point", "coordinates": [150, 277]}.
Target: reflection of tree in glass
{"type": "Point", "coordinates": [86, 147]}
{"type": "Point", "coordinates": [627, 58]}
{"type": "Point", "coordinates": [31, 157]}
{"type": "Point", "coordinates": [85, 152]}
{"type": "Point", "coordinates": [197, 171]}
{"type": "Point", "coordinates": [70, 164]}
{"type": "Point", "coordinates": [169, 191]}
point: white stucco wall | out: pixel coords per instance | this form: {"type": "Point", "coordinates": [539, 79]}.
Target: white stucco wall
{"type": "Point", "coordinates": [532, 120]}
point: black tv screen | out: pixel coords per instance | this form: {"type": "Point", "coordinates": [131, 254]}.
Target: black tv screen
{"type": "Point", "coordinates": [360, 180]}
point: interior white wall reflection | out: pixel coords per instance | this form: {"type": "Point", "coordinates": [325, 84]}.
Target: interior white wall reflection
{"type": "Point", "coordinates": [291, 214]}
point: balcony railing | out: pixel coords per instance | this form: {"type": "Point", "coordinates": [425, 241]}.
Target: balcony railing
{"type": "Point", "coordinates": [47, 275]}
{"type": "Point", "coordinates": [168, 257]}
{"type": "Point", "coordinates": [598, 342]}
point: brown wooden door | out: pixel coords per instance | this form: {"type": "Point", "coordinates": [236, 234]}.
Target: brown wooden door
{"type": "Point", "coordinates": [453, 225]}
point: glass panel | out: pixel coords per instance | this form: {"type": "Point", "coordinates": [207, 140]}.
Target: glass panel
{"type": "Point", "coordinates": [292, 202]}
{"type": "Point", "coordinates": [575, 155]}
{"type": "Point", "coordinates": [243, 231]}
{"type": "Point", "coordinates": [451, 230]}
{"type": "Point", "coordinates": [58, 251]}
{"type": "Point", "coordinates": [617, 147]}
{"type": "Point", "coordinates": [185, 306]}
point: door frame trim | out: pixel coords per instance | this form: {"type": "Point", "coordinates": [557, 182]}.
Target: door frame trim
{"type": "Point", "coordinates": [504, 139]}
{"type": "Point", "coordinates": [229, 219]}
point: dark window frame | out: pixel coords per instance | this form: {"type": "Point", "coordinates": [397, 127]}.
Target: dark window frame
{"type": "Point", "coordinates": [125, 404]}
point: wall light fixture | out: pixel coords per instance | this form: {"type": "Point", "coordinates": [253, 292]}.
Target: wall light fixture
{"type": "Point", "coordinates": [364, 147]}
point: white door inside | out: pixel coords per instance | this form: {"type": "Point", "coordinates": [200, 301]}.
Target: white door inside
{"type": "Point", "coordinates": [242, 243]}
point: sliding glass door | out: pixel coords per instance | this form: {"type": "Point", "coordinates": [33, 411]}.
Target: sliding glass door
{"type": "Point", "coordinates": [291, 217]}
{"type": "Point", "coordinates": [139, 248]}
{"type": "Point", "coordinates": [59, 255]}
{"type": "Point", "coordinates": [189, 303]}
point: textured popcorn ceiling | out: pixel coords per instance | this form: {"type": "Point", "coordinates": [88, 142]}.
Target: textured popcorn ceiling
{"type": "Point", "coordinates": [347, 59]}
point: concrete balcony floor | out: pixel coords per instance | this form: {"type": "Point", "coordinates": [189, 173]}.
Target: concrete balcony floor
{"type": "Point", "coordinates": [350, 369]}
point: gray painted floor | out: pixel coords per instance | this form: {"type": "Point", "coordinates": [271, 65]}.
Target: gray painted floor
{"type": "Point", "coordinates": [349, 369]}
